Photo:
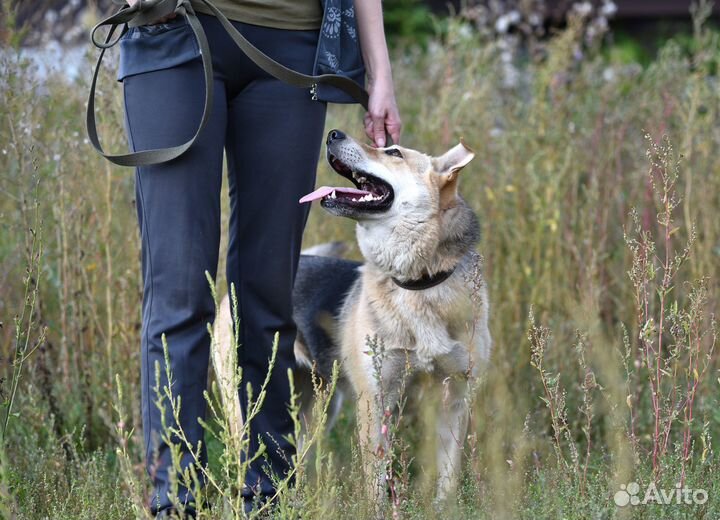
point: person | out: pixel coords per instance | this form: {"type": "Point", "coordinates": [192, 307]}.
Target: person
{"type": "Point", "coordinates": [271, 134]}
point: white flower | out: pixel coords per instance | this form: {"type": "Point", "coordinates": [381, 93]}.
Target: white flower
{"type": "Point", "coordinates": [582, 8]}
{"type": "Point", "coordinates": [608, 8]}
{"type": "Point", "coordinates": [465, 31]}
{"type": "Point", "coordinates": [51, 16]}
{"type": "Point", "coordinates": [503, 22]}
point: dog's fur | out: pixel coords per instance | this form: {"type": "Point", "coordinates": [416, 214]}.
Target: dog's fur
{"type": "Point", "coordinates": [416, 226]}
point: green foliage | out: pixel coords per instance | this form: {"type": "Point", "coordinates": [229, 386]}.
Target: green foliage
{"type": "Point", "coordinates": [408, 20]}
{"type": "Point", "coordinates": [627, 50]}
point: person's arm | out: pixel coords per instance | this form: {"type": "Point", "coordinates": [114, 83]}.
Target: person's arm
{"type": "Point", "coordinates": [382, 112]}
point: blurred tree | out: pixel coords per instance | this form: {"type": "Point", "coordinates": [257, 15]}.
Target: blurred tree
{"type": "Point", "coordinates": [408, 20]}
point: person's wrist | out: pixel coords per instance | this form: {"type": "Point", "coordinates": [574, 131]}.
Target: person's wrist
{"type": "Point", "coordinates": [381, 84]}
{"type": "Point", "coordinates": [381, 78]}
{"type": "Point", "coordinates": [379, 72]}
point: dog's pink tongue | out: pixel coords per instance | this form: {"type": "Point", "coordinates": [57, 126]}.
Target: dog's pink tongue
{"type": "Point", "coordinates": [327, 190]}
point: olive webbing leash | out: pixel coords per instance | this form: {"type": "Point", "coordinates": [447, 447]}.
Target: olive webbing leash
{"type": "Point", "coordinates": [147, 11]}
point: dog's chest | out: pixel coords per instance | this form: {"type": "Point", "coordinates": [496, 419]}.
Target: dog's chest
{"type": "Point", "coordinates": [430, 322]}
{"type": "Point", "coordinates": [444, 304]}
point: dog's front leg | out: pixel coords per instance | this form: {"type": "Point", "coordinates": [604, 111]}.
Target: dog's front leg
{"type": "Point", "coordinates": [451, 430]}
{"type": "Point", "coordinates": [373, 408]}
{"type": "Point", "coordinates": [432, 340]}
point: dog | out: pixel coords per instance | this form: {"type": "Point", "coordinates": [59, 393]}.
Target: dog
{"type": "Point", "coordinates": [417, 305]}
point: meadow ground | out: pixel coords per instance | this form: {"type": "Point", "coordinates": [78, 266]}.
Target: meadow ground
{"type": "Point", "coordinates": [597, 181]}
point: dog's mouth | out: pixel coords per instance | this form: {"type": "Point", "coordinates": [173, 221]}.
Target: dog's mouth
{"type": "Point", "coordinates": [369, 194]}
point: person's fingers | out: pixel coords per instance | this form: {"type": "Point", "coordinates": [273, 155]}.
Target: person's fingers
{"type": "Point", "coordinates": [380, 123]}
{"type": "Point", "coordinates": [368, 124]}
{"type": "Point", "coordinates": [394, 128]}
{"type": "Point", "coordinates": [378, 129]}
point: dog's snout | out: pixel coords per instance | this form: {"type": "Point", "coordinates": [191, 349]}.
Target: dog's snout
{"type": "Point", "coordinates": [335, 135]}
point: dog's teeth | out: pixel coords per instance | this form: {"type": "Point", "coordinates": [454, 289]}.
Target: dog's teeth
{"type": "Point", "coordinates": [332, 195]}
{"type": "Point", "coordinates": [359, 178]}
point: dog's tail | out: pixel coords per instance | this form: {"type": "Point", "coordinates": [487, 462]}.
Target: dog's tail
{"type": "Point", "coordinates": [336, 249]}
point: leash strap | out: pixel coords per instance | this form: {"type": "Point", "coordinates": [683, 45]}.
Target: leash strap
{"type": "Point", "coordinates": [143, 12]}
{"type": "Point", "coordinates": [147, 11]}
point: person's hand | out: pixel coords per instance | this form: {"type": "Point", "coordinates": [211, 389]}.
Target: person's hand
{"type": "Point", "coordinates": [159, 20]}
{"type": "Point", "coordinates": [382, 112]}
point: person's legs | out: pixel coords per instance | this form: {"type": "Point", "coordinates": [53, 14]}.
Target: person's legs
{"type": "Point", "coordinates": [273, 142]}
{"type": "Point", "coordinates": [178, 207]}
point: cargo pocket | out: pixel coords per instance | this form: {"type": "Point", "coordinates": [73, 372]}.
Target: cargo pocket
{"type": "Point", "coordinates": [160, 46]}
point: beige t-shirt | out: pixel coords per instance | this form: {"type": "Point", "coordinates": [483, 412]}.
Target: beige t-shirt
{"type": "Point", "coordinates": [280, 14]}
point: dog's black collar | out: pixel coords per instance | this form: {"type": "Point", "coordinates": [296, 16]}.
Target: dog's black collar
{"type": "Point", "coordinates": [426, 282]}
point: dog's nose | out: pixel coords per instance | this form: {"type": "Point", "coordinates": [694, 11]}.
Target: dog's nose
{"type": "Point", "coordinates": [335, 135]}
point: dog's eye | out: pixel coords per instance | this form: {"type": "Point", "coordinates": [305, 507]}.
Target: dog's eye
{"type": "Point", "coordinates": [394, 152]}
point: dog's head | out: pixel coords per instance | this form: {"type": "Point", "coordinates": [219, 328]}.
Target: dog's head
{"type": "Point", "coordinates": [410, 217]}
{"type": "Point", "coordinates": [390, 180]}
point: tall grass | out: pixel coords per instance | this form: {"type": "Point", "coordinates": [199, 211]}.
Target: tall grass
{"type": "Point", "coordinates": [613, 253]}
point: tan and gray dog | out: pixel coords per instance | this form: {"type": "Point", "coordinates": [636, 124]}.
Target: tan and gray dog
{"type": "Point", "coordinates": [417, 305]}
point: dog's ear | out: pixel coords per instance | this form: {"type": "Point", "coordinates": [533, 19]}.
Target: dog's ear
{"type": "Point", "coordinates": [447, 167]}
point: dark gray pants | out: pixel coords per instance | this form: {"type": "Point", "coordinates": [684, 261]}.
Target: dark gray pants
{"type": "Point", "coordinates": [271, 133]}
